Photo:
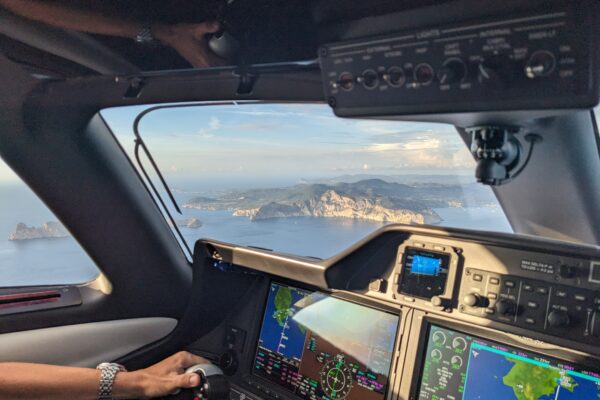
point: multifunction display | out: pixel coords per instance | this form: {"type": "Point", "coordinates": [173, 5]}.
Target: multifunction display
{"type": "Point", "coordinates": [320, 347]}
{"type": "Point", "coordinates": [424, 273]}
{"type": "Point", "coordinates": [458, 366]}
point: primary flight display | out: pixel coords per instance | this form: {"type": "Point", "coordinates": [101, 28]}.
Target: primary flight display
{"type": "Point", "coordinates": [321, 347]}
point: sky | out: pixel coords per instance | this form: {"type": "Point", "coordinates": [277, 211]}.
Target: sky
{"type": "Point", "coordinates": [287, 143]}
{"type": "Point", "coordinates": [284, 142]}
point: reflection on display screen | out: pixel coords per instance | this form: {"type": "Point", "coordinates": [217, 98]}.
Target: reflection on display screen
{"type": "Point", "coordinates": [423, 265]}
{"type": "Point", "coordinates": [320, 347]}
{"type": "Point", "coordinates": [462, 367]}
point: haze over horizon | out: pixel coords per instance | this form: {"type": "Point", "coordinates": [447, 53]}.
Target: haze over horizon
{"type": "Point", "coordinates": [284, 143]}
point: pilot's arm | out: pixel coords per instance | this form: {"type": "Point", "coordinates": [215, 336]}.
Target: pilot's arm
{"type": "Point", "coordinates": [49, 382]}
{"type": "Point", "coordinates": [189, 39]}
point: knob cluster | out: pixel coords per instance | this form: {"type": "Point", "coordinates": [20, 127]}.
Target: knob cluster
{"type": "Point", "coordinates": [494, 72]}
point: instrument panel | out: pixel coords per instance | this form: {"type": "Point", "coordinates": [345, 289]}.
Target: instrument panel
{"type": "Point", "coordinates": [424, 313]}
{"type": "Point", "coordinates": [544, 59]}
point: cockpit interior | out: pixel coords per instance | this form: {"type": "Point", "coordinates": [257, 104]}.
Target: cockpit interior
{"type": "Point", "coordinates": [361, 287]}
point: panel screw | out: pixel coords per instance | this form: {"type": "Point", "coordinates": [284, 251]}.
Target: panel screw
{"type": "Point", "coordinates": [332, 103]}
{"type": "Point", "coordinates": [323, 51]}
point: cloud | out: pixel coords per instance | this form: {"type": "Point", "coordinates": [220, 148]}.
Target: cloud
{"type": "Point", "coordinates": [423, 143]}
{"type": "Point", "coordinates": [214, 123]}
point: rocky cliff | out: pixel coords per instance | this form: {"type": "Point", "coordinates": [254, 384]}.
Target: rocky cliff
{"type": "Point", "coordinates": [47, 230]}
{"type": "Point", "coordinates": [335, 205]}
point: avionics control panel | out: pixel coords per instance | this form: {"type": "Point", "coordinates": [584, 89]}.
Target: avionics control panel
{"type": "Point", "coordinates": [531, 290]}
{"type": "Point", "coordinates": [525, 61]}
{"type": "Point", "coordinates": [559, 310]}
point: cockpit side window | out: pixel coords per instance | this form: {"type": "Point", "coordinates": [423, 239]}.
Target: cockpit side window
{"type": "Point", "coordinates": [35, 248]}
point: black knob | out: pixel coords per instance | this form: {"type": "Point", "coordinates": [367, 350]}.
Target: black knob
{"type": "Point", "coordinates": [558, 318]}
{"type": "Point", "coordinates": [395, 76]}
{"type": "Point", "coordinates": [228, 362]}
{"type": "Point", "coordinates": [494, 73]}
{"type": "Point", "coordinates": [506, 307]}
{"type": "Point", "coordinates": [453, 70]}
{"type": "Point", "coordinates": [567, 271]}
{"type": "Point", "coordinates": [540, 64]}
{"type": "Point", "coordinates": [346, 81]}
{"type": "Point", "coordinates": [423, 74]}
{"type": "Point", "coordinates": [369, 79]}
{"type": "Point", "coordinates": [475, 300]}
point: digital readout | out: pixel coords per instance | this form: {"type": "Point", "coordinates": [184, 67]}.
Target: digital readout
{"type": "Point", "coordinates": [422, 265]}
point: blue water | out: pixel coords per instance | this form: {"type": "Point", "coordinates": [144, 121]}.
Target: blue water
{"type": "Point", "coordinates": [41, 261]}
{"type": "Point", "coordinates": [484, 378]}
{"type": "Point", "coordinates": [62, 261]}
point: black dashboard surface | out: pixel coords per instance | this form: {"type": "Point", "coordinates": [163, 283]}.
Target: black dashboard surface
{"type": "Point", "coordinates": [531, 302]}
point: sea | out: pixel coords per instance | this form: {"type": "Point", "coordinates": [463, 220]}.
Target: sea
{"type": "Point", "coordinates": [63, 261]}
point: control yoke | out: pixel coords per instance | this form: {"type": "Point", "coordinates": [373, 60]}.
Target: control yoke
{"type": "Point", "coordinates": [213, 384]}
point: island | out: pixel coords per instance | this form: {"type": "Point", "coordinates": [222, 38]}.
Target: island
{"type": "Point", "coordinates": [369, 199]}
{"type": "Point", "coordinates": [191, 223]}
{"type": "Point", "coordinates": [532, 382]}
{"type": "Point", "coordinates": [48, 230]}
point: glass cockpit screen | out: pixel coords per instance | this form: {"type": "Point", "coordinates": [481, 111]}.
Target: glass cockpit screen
{"type": "Point", "coordinates": [424, 273]}
{"type": "Point", "coordinates": [321, 347]}
{"type": "Point", "coordinates": [458, 366]}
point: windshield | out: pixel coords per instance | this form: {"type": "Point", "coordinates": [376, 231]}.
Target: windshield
{"type": "Point", "coordinates": [294, 178]}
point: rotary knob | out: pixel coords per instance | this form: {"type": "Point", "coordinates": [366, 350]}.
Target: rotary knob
{"type": "Point", "coordinates": [423, 74]}
{"type": "Point", "coordinates": [369, 79]}
{"type": "Point", "coordinates": [558, 318]}
{"type": "Point", "coordinates": [395, 76]}
{"type": "Point", "coordinates": [540, 64]}
{"type": "Point", "coordinates": [494, 72]}
{"type": "Point", "coordinates": [506, 307]}
{"type": "Point", "coordinates": [567, 271]}
{"type": "Point", "coordinates": [345, 81]}
{"type": "Point", "coordinates": [475, 300]}
{"type": "Point", "coordinates": [453, 70]}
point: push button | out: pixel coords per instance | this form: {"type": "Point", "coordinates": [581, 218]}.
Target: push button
{"type": "Point", "coordinates": [494, 281]}
{"type": "Point", "coordinates": [477, 278]}
{"type": "Point", "coordinates": [510, 284]}
{"type": "Point", "coordinates": [530, 321]}
{"type": "Point", "coordinates": [532, 304]}
{"type": "Point", "coordinates": [527, 287]}
{"type": "Point", "coordinates": [561, 293]}
{"type": "Point", "coordinates": [542, 290]}
{"type": "Point", "coordinates": [580, 297]}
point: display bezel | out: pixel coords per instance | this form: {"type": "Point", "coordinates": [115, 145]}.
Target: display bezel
{"type": "Point", "coordinates": [446, 263]}
{"type": "Point", "coordinates": [369, 303]}
{"type": "Point", "coordinates": [493, 336]}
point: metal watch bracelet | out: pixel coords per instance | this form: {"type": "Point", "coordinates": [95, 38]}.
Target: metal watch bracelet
{"type": "Point", "coordinates": [108, 374]}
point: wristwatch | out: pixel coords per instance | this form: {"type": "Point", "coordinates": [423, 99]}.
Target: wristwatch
{"type": "Point", "coordinates": [144, 35]}
{"type": "Point", "coordinates": [108, 373]}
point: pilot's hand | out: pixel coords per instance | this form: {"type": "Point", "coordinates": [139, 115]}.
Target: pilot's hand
{"type": "Point", "coordinates": [169, 375]}
{"type": "Point", "coordinates": [190, 41]}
